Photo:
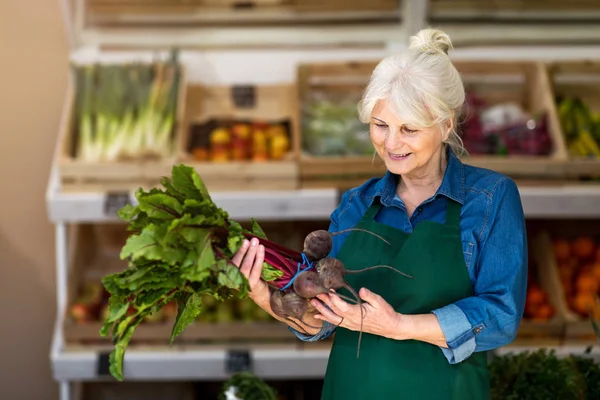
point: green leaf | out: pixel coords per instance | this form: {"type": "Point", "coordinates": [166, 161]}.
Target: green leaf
{"type": "Point", "coordinates": [231, 277]}
{"type": "Point", "coordinates": [199, 184]}
{"type": "Point", "coordinates": [236, 236]}
{"type": "Point", "coordinates": [190, 306]}
{"type": "Point", "coordinates": [160, 206]}
{"type": "Point", "coordinates": [139, 245]}
{"type": "Point", "coordinates": [128, 212]}
{"type": "Point", "coordinates": [171, 191]}
{"type": "Point", "coordinates": [257, 230]}
{"type": "Point", "coordinates": [183, 182]}
{"type": "Point", "coordinates": [270, 273]}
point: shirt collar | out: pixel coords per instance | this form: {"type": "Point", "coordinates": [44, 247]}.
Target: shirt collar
{"type": "Point", "coordinates": [453, 184]}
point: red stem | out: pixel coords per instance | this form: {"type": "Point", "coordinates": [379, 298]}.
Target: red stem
{"type": "Point", "coordinates": [282, 250]}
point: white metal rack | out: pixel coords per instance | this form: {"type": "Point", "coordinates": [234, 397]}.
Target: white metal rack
{"type": "Point", "coordinates": [77, 365]}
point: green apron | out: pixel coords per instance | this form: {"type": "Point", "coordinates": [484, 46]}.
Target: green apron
{"type": "Point", "coordinates": [405, 369]}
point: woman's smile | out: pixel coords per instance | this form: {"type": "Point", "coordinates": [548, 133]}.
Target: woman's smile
{"type": "Point", "coordinates": [398, 156]}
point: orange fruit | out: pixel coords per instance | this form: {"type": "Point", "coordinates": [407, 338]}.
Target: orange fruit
{"type": "Point", "coordinates": [583, 247]}
{"type": "Point", "coordinates": [582, 301]}
{"type": "Point", "coordinates": [596, 270]}
{"type": "Point", "coordinates": [562, 249]}
{"type": "Point", "coordinates": [545, 312]}
{"type": "Point", "coordinates": [586, 283]}
{"type": "Point", "coordinates": [535, 295]}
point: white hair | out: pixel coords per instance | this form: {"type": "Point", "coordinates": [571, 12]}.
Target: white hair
{"type": "Point", "coordinates": [421, 84]}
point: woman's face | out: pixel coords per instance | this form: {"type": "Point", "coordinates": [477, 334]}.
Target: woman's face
{"type": "Point", "coordinates": [405, 149]}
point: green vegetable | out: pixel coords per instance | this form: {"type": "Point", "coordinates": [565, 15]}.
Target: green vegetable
{"type": "Point", "coordinates": [542, 375]}
{"type": "Point", "coordinates": [126, 111]}
{"type": "Point", "coordinates": [180, 249]}
{"type": "Point", "coordinates": [247, 386]}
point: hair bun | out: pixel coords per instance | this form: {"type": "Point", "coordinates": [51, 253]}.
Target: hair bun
{"type": "Point", "coordinates": [431, 41]}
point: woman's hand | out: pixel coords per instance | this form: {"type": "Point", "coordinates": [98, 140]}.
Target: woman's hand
{"type": "Point", "coordinates": [380, 318]}
{"type": "Point", "coordinates": [249, 259]}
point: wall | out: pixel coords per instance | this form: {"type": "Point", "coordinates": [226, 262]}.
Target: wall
{"type": "Point", "coordinates": [33, 75]}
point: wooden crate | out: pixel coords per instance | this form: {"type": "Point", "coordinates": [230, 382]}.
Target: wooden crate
{"type": "Point", "coordinates": [95, 252]}
{"type": "Point", "coordinates": [549, 331]}
{"type": "Point", "coordinates": [578, 79]}
{"type": "Point", "coordinates": [338, 83]}
{"type": "Point", "coordinates": [272, 104]}
{"type": "Point", "coordinates": [80, 176]}
{"type": "Point", "coordinates": [577, 326]}
{"type": "Point", "coordinates": [525, 83]}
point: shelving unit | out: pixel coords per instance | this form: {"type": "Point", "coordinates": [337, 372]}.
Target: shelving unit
{"type": "Point", "coordinates": [71, 364]}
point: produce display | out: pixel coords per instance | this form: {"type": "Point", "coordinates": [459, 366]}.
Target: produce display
{"type": "Point", "coordinates": [91, 306]}
{"type": "Point", "coordinates": [537, 302]}
{"type": "Point", "coordinates": [502, 129]}
{"type": "Point", "coordinates": [126, 111]}
{"type": "Point", "coordinates": [580, 126]}
{"type": "Point", "coordinates": [330, 126]}
{"type": "Point", "coordinates": [180, 249]}
{"type": "Point", "coordinates": [578, 261]}
{"type": "Point", "coordinates": [223, 141]}
{"type": "Point", "coordinates": [542, 374]}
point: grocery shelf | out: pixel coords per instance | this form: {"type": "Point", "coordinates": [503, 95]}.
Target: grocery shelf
{"type": "Point", "coordinates": [211, 364]}
{"type": "Point", "coordinates": [552, 201]}
{"type": "Point", "coordinates": [561, 201]}
{"type": "Point", "coordinates": [193, 364]}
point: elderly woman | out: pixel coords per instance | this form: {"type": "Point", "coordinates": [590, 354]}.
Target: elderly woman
{"type": "Point", "coordinates": [457, 230]}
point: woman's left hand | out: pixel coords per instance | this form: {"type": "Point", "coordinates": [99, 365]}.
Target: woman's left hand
{"type": "Point", "coordinates": [380, 318]}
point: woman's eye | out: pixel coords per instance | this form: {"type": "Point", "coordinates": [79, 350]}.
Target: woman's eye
{"type": "Point", "coordinates": [381, 125]}
{"type": "Point", "coordinates": [410, 131]}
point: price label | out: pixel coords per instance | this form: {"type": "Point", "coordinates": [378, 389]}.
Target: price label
{"type": "Point", "coordinates": [103, 364]}
{"type": "Point", "coordinates": [244, 96]}
{"type": "Point", "coordinates": [238, 361]}
{"type": "Point", "coordinates": [243, 5]}
{"type": "Point", "coordinates": [114, 201]}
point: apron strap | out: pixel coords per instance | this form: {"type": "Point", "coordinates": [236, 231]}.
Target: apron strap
{"type": "Point", "coordinates": [453, 213]}
{"type": "Point", "coordinates": [372, 210]}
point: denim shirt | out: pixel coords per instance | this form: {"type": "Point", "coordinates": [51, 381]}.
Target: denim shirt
{"type": "Point", "coordinates": [494, 244]}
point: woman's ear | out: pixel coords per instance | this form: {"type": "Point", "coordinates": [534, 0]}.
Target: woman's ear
{"type": "Point", "coordinates": [449, 126]}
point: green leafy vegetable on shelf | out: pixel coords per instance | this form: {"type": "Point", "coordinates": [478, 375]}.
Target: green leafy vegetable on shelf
{"type": "Point", "coordinates": [180, 248]}
{"type": "Point", "coordinates": [126, 111]}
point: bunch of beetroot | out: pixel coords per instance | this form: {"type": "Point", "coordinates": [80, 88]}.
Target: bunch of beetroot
{"type": "Point", "coordinates": [317, 274]}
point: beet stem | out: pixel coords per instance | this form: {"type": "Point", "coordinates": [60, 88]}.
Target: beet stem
{"type": "Point", "coordinates": [351, 290]}
{"type": "Point", "coordinates": [362, 230]}
{"type": "Point", "coordinates": [377, 266]}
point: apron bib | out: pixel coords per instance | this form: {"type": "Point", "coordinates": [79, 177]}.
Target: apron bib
{"type": "Point", "coordinates": [394, 369]}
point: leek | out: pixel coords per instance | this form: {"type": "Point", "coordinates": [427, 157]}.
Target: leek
{"type": "Point", "coordinates": [127, 111]}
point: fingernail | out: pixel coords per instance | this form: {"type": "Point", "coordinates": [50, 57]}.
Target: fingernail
{"type": "Point", "coordinates": [245, 242]}
{"type": "Point", "coordinates": [254, 241]}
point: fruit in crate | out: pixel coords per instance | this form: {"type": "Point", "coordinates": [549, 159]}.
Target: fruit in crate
{"type": "Point", "coordinates": [80, 313]}
{"type": "Point", "coordinates": [578, 265]}
{"type": "Point", "coordinates": [580, 126]}
{"type": "Point", "coordinates": [502, 129]}
{"type": "Point", "coordinates": [537, 303]}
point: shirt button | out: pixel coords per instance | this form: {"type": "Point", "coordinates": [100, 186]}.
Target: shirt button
{"type": "Point", "coordinates": [420, 209]}
{"type": "Point", "coordinates": [477, 330]}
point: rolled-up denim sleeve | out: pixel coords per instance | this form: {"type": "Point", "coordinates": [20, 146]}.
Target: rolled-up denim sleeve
{"type": "Point", "coordinates": [326, 331]}
{"type": "Point", "coordinates": [491, 317]}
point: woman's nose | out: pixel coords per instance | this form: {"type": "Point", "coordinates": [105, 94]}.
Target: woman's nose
{"type": "Point", "coordinates": [393, 139]}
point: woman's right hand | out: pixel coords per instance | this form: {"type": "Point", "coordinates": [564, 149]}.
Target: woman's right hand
{"type": "Point", "coordinates": [249, 259]}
